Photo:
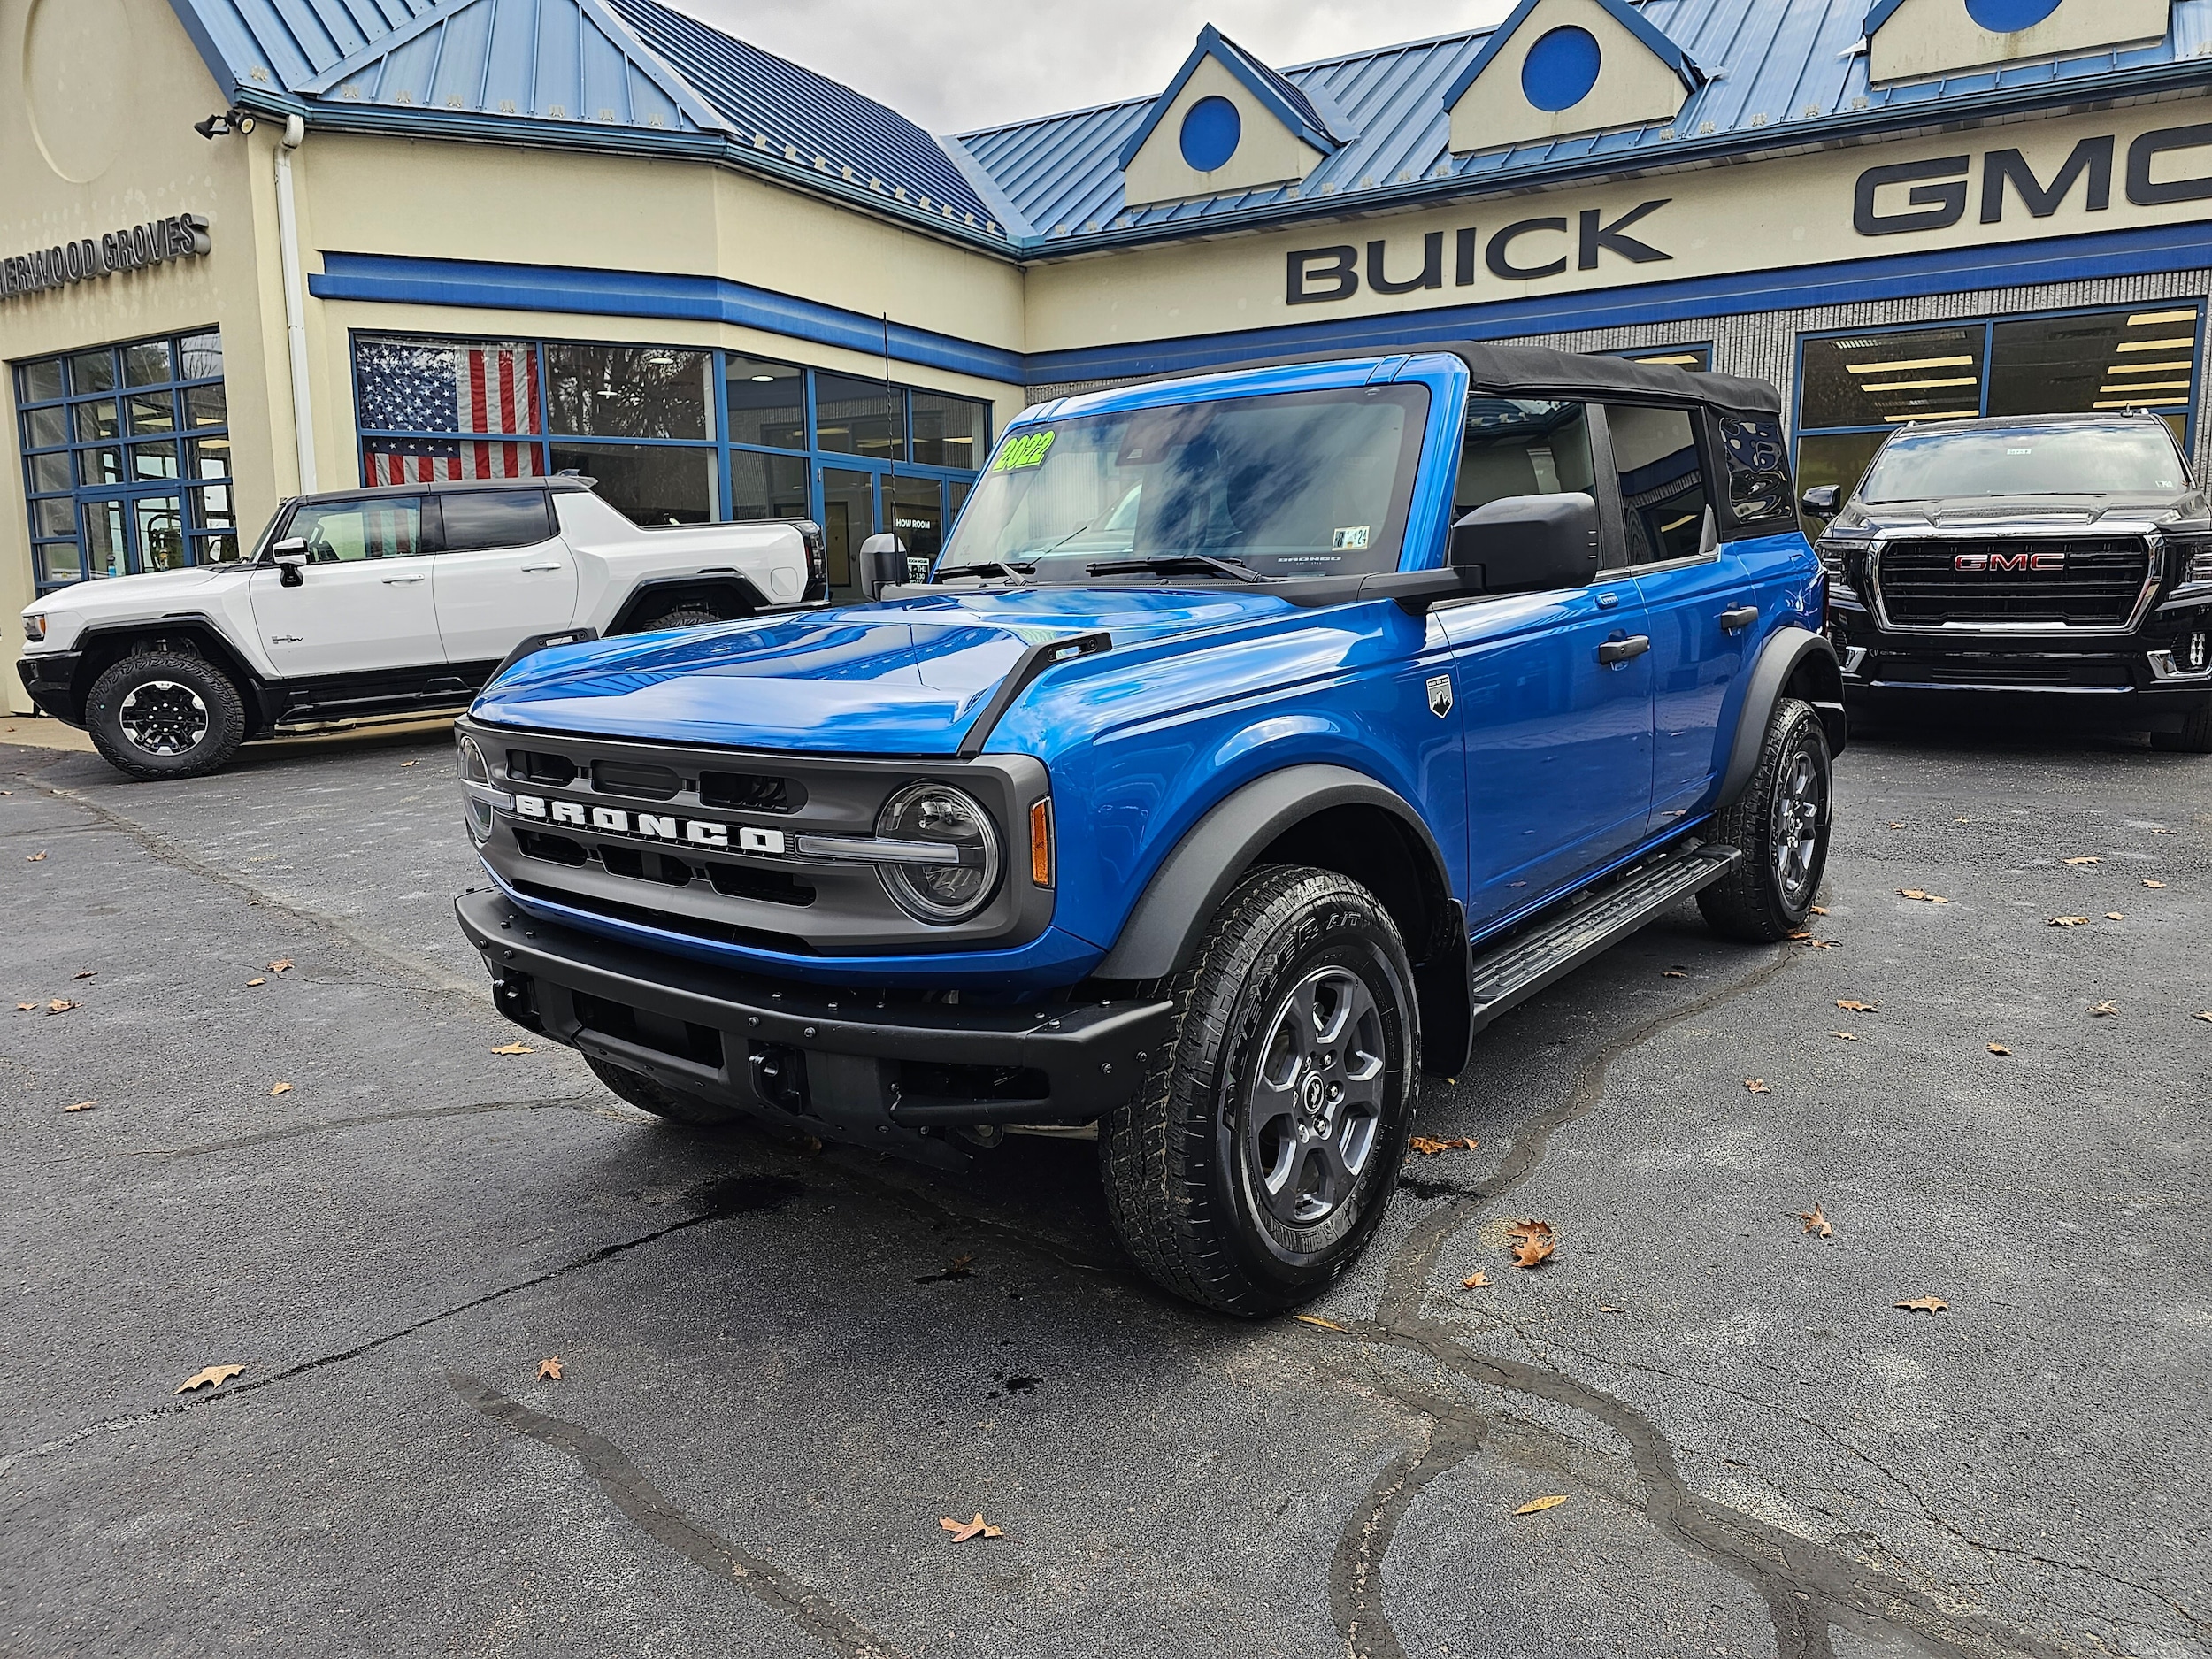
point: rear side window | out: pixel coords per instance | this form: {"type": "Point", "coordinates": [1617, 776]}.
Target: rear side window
{"type": "Point", "coordinates": [1760, 499]}
{"type": "Point", "coordinates": [495, 519]}
{"type": "Point", "coordinates": [1664, 502]}
{"type": "Point", "coordinates": [1518, 446]}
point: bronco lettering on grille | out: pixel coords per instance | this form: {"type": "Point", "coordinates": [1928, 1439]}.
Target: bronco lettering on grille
{"type": "Point", "coordinates": [710, 834]}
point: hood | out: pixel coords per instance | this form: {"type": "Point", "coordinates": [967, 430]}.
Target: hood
{"type": "Point", "coordinates": [110, 594]}
{"type": "Point", "coordinates": [904, 678]}
{"type": "Point", "coordinates": [2055, 513]}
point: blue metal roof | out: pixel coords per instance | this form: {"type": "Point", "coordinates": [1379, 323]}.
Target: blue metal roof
{"type": "Point", "coordinates": [1284, 99]}
{"type": "Point", "coordinates": [1778, 74]}
{"type": "Point", "coordinates": [1621, 12]}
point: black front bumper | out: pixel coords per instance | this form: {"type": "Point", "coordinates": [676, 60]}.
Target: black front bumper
{"type": "Point", "coordinates": [48, 678]}
{"type": "Point", "coordinates": [844, 1064]}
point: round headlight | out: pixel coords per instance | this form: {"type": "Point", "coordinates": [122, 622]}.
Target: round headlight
{"type": "Point", "coordinates": [959, 883]}
{"type": "Point", "coordinates": [473, 765]}
{"type": "Point", "coordinates": [469, 763]}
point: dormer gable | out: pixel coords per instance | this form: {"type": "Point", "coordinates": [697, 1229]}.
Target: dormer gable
{"type": "Point", "coordinates": [1563, 69]}
{"type": "Point", "coordinates": [1912, 40]}
{"type": "Point", "coordinates": [1226, 123]}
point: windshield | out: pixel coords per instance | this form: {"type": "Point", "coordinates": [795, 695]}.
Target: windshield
{"type": "Point", "coordinates": [1296, 484]}
{"type": "Point", "coordinates": [2069, 460]}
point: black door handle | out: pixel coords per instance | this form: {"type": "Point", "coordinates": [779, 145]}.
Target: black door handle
{"type": "Point", "coordinates": [1623, 650]}
{"type": "Point", "coordinates": [1738, 617]}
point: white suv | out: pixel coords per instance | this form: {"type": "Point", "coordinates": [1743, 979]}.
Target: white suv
{"type": "Point", "coordinates": [382, 604]}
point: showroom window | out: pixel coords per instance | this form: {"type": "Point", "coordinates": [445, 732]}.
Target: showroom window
{"type": "Point", "coordinates": [675, 435]}
{"type": "Point", "coordinates": [126, 459]}
{"type": "Point", "coordinates": [1854, 390]}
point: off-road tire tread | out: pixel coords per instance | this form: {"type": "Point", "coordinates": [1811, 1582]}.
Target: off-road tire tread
{"type": "Point", "coordinates": [1155, 1150]}
{"type": "Point", "coordinates": [2195, 736]}
{"type": "Point", "coordinates": [681, 617]}
{"type": "Point", "coordinates": [227, 714]}
{"type": "Point", "coordinates": [1746, 904]}
{"type": "Point", "coordinates": [646, 1095]}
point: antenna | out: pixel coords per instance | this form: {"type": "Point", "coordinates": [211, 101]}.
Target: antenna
{"type": "Point", "coordinates": [890, 397]}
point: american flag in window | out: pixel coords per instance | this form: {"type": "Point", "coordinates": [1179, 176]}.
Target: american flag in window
{"type": "Point", "coordinates": [482, 393]}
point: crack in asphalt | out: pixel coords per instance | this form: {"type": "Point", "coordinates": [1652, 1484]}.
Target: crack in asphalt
{"type": "Point", "coordinates": [642, 1503]}
{"type": "Point", "coordinates": [566, 1102]}
{"type": "Point", "coordinates": [1807, 1588]}
{"type": "Point", "coordinates": [179, 856]}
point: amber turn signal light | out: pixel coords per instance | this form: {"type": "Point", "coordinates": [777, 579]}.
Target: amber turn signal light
{"type": "Point", "coordinates": [1041, 842]}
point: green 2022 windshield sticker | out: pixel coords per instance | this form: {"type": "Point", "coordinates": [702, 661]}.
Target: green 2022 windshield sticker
{"type": "Point", "coordinates": [1027, 451]}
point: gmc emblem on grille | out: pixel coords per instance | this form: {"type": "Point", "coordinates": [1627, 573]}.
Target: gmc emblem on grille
{"type": "Point", "coordinates": [2022, 561]}
{"type": "Point", "coordinates": [709, 834]}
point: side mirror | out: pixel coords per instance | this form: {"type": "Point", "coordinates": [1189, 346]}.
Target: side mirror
{"type": "Point", "coordinates": [291, 558]}
{"type": "Point", "coordinates": [1528, 543]}
{"type": "Point", "coordinates": [1823, 501]}
{"type": "Point", "coordinates": [883, 564]}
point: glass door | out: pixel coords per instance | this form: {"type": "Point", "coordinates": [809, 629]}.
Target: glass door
{"type": "Point", "coordinates": [848, 518]}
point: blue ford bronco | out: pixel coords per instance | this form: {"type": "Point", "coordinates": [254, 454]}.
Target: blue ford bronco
{"type": "Point", "coordinates": [1254, 743]}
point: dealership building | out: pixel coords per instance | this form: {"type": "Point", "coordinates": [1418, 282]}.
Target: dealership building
{"type": "Point", "coordinates": [249, 247]}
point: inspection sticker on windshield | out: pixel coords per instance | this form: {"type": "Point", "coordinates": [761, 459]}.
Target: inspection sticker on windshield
{"type": "Point", "coordinates": [1029, 449]}
{"type": "Point", "coordinates": [1348, 539]}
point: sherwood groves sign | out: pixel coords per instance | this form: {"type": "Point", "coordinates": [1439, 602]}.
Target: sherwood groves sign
{"type": "Point", "coordinates": [133, 248]}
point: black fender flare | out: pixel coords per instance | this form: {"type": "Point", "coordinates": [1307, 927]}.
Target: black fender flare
{"type": "Point", "coordinates": [1791, 657]}
{"type": "Point", "coordinates": [207, 639]}
{"type": "Point", "coordinates": [736, 597]}
{"type": "Point", "coordinates": [1178, 902]}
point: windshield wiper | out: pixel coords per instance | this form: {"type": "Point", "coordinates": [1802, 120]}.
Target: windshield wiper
{"type": "Point", "coordinates": [1016, 574]}
{"type": "Point", "coordinates": [1176, 565]}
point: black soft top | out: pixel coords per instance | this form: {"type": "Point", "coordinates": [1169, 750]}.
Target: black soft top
{"type": "Point", "coordinates": [1538, 370]}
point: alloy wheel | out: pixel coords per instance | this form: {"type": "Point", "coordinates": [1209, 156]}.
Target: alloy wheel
{"type": "Point", "coordinates": [1316, 1098]}
{"type": "Point", "coordinates": [163, 716]}
{"type": "Point", "coordinates": [1800, 800]}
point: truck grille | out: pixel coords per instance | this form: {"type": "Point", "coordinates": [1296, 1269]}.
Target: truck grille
{"type": "Point", "coordinates": [2096, 581]}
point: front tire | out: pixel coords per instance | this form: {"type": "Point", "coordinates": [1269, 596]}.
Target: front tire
{"type": "Point", "coordinates": [165, 715]}
{"type": "Point", "coordinates": [1781, 821]}
{"type": "Point", "coordinates": [2195, 735]}
{"type": "Point", "coordinates": [1255, 1164]}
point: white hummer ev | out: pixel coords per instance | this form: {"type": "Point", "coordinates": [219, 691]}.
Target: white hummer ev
{"type": "Point", "coordinates": [380, 603]}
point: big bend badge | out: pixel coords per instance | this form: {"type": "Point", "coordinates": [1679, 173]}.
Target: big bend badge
{"type": "Point", "coordinates": [1441, 694]}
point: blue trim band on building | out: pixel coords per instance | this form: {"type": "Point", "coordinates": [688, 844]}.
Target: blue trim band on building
{"type": "Point", "coordinates": [397, 280]}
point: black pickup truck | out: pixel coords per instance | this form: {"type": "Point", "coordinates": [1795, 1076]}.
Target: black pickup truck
{"type": "Point", "coordinates": [2053, 565]}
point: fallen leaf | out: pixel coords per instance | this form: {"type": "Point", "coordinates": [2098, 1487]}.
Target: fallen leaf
{"type": "Point", "coordinates": [282, 965]}
{"type": "Point", "coordinates": [1926, 1304]}
{"type": "Point", "coordinates": [1537, 1505]}
{"type": "Point", "coordinates": [1536, 1244]}
{"type": "Point", "coordinates": [1529, 1230]}
{"type": "Point", "coordinates": [1316, 1319]}
{"type": "Point", "coordinates": [1924, 898]}
{"type": "Point", "coordinates": [1848, 1036]}
{"type": "Point", "coordinates": [408, 763]}
{"type": "Point", "coordinates": [1820, 944]}
{"type": "Point", "coordinates": [84, 973]}
{"type": "Point", "coordinates": [82, 1106]}
{"type": "Point", "coordinates": [1857, 1008]}
{"type": "Point", "coordinates": [59, 1005]}
{"type": "Point", "coordinates": [1475, 1283]}
{"type": "Point", "coordinates": [2114, 916]}
{"type": "Point", "coordinates": [2153, 886]}
{"type": "Point", "coordinates": [2106, 1008]}
{"type": "Point", "coordinates": [1897, 827]}
{"type": "Point", "coordinates": [515, 1048]}
{"type": "Point", "coordinates": [1817, 911]}
{"type": "Point", "coordinates": [2069, 921]}
{"type": "Point", "coordinates": [252, 983]}
{"type": "Point", "coordinates": [2206, 1015]}
{"type": "Point", "coordinates": [281, 1088]}
{"type": "Point", "coordinates": [213, 1377]}
{"type": "Point", "coordinates": [2165, 831]}
{"type": "Point", "coordinates": [962, 1530]}
{"type": "Point", "coordinates": [1816, 1223]}
{"type": "Point", "coordinates": [1673, 973]}
{"type": "Point", "coordinates": [549, 1370]}
{"type": "Point", "coordinates": [1757, 1085]}
{"type": "Point", "coordinates": [35, 858]}
{"type": "Point", "coordinates": [1998, 1047]}
{"type": "Point", "coordinates": [25, 1007]}
{"type": "Point", "coordinates": [2090, 859]}
{"type": "Point", "coordinates": [1428, 1146]}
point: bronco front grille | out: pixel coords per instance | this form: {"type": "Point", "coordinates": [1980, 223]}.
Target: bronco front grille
{"type": "Point", "coordinates": [2064, 581]}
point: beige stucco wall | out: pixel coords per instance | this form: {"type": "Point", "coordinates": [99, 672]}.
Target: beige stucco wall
{"type": "Point", "coordinates": [1769, 215]}
{"type": "Point", "coordinates": [1932, 37]}
{"type": "Point", "coordinates": [1267, 152]}
{"type": "Point", "coordinates": [97, 98]}
{"type": "Point", "coordinates": [1632, 88]}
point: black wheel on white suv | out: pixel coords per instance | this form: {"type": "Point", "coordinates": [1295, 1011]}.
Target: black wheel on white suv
{"type": "Point", "coordinates": [1781, 821]}
{"type": "Point", "coordinates": [1257, 1163]}
{"type": "Point", "coordinates": [164, 714]}
{"type": "Point", "coordinates": [687, 616]}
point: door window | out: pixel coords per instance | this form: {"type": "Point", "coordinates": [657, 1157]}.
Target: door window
{"type": "Point", "coordinates": [493, 519]}
{"type": "Point", "coordinates": [377, 527]}
{"type": "Point", "coordinates": [1664, 502]}
{"type": "Point", "coordinates": [1517, 446]}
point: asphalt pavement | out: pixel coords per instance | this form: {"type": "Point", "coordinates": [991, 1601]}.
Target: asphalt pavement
{"type": "Point", "coordinates": [781, 1367]}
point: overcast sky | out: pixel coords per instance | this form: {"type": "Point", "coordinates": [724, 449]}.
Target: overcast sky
{"type": "Point", "coordinates": [953, 65]}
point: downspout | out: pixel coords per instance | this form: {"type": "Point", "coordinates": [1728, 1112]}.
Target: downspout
{"type": "Point", "coordinates": [295, 301]}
